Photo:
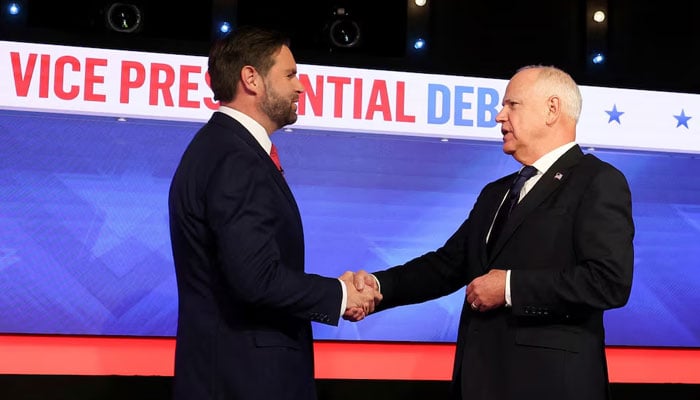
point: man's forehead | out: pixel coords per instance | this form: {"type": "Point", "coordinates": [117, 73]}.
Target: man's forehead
{"type": "Point", "coordinates": [284, 58]}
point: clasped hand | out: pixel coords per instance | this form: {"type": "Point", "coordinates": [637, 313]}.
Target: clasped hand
{"type": "Point", "coordinates": [487, 292]}
{"type": "Point", "coordinates": [363, 295]}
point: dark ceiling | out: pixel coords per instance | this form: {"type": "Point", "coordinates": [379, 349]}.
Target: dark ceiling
{"type": "Point", "coordinates": [649, 45]}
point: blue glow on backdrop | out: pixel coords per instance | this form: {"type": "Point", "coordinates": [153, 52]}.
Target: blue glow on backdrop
{"type": "Point", "coordinates": [84, 244]}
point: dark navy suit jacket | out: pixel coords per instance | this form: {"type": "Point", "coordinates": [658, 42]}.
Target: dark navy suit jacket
{"type": "Point", "coordinates": [245, 303]}
{"type": "Point", "coordinates": [569, 246]}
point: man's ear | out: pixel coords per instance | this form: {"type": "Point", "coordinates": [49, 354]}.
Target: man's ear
{"type": "Point", "coordinates": [249, 78]}
{"type": "Point", "coordinates": [553, 109]}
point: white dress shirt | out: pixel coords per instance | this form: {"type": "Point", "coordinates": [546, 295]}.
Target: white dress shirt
{"type": "Point", "coordinates": [542, 165]}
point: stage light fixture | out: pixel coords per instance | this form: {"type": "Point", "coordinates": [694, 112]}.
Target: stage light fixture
{"type": "Point", "coordinates": [599, 16]}
{"type": "Point", "coordinates": [124, 17]}
{"type": "Point", "coordinates": [421, 3]}
{"type": "Point", "coordinates": [419, 44]}
{"type": "Point", "coordinates": [598, 58]}
{"type": "Point", "coordinates": [13, 16]}
{"type": "Point", "coordinates": [343, 30]}
{"type": "Point", "coordinates": [224, 27]}
{"type": "Point", "coordinates": [14, 8]}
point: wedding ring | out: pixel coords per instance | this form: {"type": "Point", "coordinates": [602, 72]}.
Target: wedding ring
{"type": "Point", "coordinates": [475, 306]}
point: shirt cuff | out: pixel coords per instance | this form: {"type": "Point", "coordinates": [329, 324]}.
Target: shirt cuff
{"type": "Point", "coordinates": [509, 303]}
{"type": "Point", "coordinates": [344, 302]}
{"type": "Point", "coordinates": [379, 286]}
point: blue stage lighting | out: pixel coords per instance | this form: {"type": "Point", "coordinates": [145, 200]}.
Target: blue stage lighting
{"type": "Point", "coordinates": [419, 44]}
{"type": "Point", "coordinates": [598, 58]}
{"type": "Point", "coordinates": [225, 27]}
{"type": "Point", "coordinates": [13, 8]}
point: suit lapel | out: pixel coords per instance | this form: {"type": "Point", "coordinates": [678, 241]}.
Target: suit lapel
{"type": "Point", "coordinates": [555, 176]}
{"type": "Point", "coordinates": [493, 203]}
{"type": "Point", "coordinates": [242, 133]}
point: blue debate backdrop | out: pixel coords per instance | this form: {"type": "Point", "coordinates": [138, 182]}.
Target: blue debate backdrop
{"type": "Point", "coordinates": [84, 244]}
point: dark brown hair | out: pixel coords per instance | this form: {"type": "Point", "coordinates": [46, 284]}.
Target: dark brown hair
{"type": "Point", "coordinates": [245, 46]}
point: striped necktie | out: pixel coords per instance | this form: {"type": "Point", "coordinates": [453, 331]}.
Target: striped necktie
{"type": "Point", "coordinates": [509, 203]}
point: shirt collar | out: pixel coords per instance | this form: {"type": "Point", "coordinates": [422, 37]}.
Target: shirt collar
{"type": "Point", "coordinates": [255, 129]}
{"type": "Point", "coordinates": [547, 160]}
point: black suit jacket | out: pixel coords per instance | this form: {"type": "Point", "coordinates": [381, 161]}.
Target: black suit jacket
{"type": "Point", "coordinates": [245, 303]}
{"type": "Point", "coordinates": [569, 246]}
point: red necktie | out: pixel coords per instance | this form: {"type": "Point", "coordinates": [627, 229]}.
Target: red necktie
{"type": "Point", "coordinates": [276, 158]}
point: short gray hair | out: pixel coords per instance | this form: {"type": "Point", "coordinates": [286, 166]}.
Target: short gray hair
{"type": "Point", "coordinates": [559, 83]}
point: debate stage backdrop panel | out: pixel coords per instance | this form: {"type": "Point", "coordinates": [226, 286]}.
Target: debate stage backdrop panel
{"type": "Point", "coordinates": [84, 245]}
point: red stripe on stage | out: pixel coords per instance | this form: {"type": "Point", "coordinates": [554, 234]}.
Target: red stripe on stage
{"type": "Point", "coordinates": [95, 355]}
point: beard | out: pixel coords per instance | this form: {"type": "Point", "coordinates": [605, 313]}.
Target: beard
{"type": "Point", "coordinates": [277, 108]}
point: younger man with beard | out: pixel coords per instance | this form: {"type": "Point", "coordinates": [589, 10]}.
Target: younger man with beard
{"type": "Point", "coordinates": [245, 302]}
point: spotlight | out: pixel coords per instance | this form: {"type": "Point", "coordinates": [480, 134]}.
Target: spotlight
{"type": "Point", "coordinates": [421, 3]}
{"type": "Point", "coordinates": [344, 31]}
{"type": "Point", "coordinates": [225, 27]}
{"type": "Point", "coordinates": [598, 58]}
{"type": "Point", "coordinates": [599, 16]}
{"type": "Point", "coordinates": [419, 44]}
{"type": "Point", "coordinates": [13, 15]}
{"type": "Point", "coordinates": [123, 17]}
{"type": "Point", "coordinates": [13, 8]}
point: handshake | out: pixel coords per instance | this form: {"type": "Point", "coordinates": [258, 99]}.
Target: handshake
{"type": "Point", "coordinates": [363, 294]}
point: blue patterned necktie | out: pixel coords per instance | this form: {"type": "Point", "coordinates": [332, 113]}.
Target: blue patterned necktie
{"type": "Point", "coordinates": [509, 203]}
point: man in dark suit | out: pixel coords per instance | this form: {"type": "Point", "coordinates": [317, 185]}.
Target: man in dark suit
{"type": "Point", "coordinates": [532, 323]}
{"type": "Point", "coordinates": [245, 302]}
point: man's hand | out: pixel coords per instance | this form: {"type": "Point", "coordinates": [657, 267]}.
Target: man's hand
{"type": "Point", "coordinates": [363, 279]}
{"type": "Point", "coordinates": [363, 295]}
{"type": "Point", "coordinates": [487, 291]}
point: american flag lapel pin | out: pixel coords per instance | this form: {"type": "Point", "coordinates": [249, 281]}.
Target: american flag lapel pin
{"type": "Point", "coordinates": [558, 176]}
